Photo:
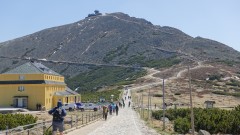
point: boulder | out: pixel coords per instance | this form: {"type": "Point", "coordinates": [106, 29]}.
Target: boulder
{"type": "Point", "coordinates": [203, 132]}
{"type": "Point", "coordinates": [166, 119]}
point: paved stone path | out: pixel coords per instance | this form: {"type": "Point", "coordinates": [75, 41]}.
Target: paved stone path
{"type": "Point", "coordinates": [126, 123]}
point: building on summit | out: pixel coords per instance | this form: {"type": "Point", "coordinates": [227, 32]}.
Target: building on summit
{"type": "Point", "coordinates": [34, 86]}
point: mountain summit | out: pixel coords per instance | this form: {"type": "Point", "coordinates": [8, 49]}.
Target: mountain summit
{"type": "Point", "coordinates": [109, 39]}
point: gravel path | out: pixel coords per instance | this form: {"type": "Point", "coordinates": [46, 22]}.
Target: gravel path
{"type": "Point", "coordinates": [126, 123]}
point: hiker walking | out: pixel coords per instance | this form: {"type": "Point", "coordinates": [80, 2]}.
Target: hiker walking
{"type": "Point", "coordinates": [58, 118]}
{"type": "Point", "coordinates": [120, 104]}
{"type": "Point", "coordinates": [129, 103]}
{"type": "Point", "coordinates": [117, 109]}
{"type": "Point", "coordinates": [105, 112]}
{"type": "Point", "coordinates": [37, 106]}
{"type": "Point", "coordinates": [110, 109]}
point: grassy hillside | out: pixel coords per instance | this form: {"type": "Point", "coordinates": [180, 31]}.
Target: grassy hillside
{"type": "Point", "coordinates": [154, 63]}
{"type": "Point", "coordinates": [95, 96]}
{"type": "Point", "coordinates": [99, 77]}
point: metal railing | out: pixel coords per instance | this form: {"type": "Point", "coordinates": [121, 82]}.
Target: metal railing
{"type": "Point", "coordinates": [71, 122]}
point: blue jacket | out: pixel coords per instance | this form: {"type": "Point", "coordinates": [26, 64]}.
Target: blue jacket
{"type": "Point", "coordinates": [58, 116]}
{"type": "Point", "coordinates": [58, 113]}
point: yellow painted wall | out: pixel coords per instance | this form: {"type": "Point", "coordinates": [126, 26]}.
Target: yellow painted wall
{"type": "Point", "coordinates": [13, 77]}
{"type": "Point", "coordinates": [71, 99]}
{"type": "Point", "coordinates": [53, 78]}
{"type": "Point", "coordinates": [35, 93]}
{"type": "Point", "coordinates": [49, 94]}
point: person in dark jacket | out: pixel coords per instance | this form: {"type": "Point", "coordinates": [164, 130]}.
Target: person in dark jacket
{"type": "Point", "coordinates": [58, 118]}
{"type": "Point", "coordinates": [117, 109]}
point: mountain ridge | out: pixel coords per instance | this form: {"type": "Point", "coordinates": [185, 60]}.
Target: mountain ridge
{"type": "Point", "coordinates": [114, 38]}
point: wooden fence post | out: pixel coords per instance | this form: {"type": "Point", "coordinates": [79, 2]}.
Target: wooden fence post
{"type": "Point", "coordinates": [44, 126]}
{"type": "Point", "coordinates": [89, 116]}
{"type": "Point", "coordinates": [82, 119]}
{"type": "Point", "coordinates": [76, 120]}
{"type": "Point", "coordinates": [71, 121]}
{"type": "Point", "coordinates": [94, 115]}
{"type": "Point", "coordinates": [6, 130]}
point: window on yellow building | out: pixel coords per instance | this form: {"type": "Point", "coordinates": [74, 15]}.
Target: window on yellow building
{"type": "Point", "coordinates": [21, 77]}
{"type": "Point", "coordinates": [21, 88]}
{"type": "Point", "coordinates": [66, 99]}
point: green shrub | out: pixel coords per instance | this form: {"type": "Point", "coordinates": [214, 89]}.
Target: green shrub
{"type": "Point", "coordinates": [215, 77]}
{"type": "Point", "coordinates": [181, 125]}
{"type": "Point", "coordinates": [236, 94]}
{"type": "Point", "coordinates": [178, 93]}
{"type": "Point", "coordinates": [228, 62]}
{"type": "Point", "coordinates": [233, 83]}
{"type": "Point", "coordinates": [213, 120]}
{"type": "Point", "coordinates": [15, 120]}
{"type": "Point", "coordinates": [139, 91]}
{"type": "Point", "coordinates": [157, 95]}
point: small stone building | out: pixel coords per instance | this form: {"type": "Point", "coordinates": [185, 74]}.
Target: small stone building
{"type": "Point", "coordinates": [209, 104]}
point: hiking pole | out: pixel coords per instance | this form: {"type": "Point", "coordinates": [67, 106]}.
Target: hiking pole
{"type": "Point", "coordinates": [47, 130]}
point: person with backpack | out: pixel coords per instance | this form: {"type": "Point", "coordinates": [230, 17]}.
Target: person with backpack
{"type": "Point", "coordinates": [105, 112]}
{"type": "Point", "coordinates": [58, 118]}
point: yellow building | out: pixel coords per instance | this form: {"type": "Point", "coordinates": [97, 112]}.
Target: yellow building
{"type": "Point", "coordinates": [33, 85]}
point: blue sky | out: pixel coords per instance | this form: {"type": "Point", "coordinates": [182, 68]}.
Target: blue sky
{"type": "Point", "coordinates": [214, 19]}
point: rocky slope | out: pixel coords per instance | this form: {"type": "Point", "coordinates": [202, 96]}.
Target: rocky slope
{"type": "Point", "coordinates": [110, 40]}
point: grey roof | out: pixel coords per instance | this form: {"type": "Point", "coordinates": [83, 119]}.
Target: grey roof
{"type": "Point", "coordinates": [71, 91]}
{"type": "Point", "coordinates": [68, 91]}
{"type": "Point", "coordinates": [208, 101]}
{"type": "Point", "coordinates": [32, 68]}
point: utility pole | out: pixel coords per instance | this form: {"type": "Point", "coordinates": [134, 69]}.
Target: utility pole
{"type": "Point", "coordinates": [139, 104]}
{"type": "Point", "coordinates": [191, 104]}
{"type": "Point", "coordinates": [150, 106]}
{"type": "Point", "coordinates": [138, 101]}
{"type": "Point", "coordinates": [163, 106]}
{"type": "Point", "coordinates": [142, 107]}
{"type": "Point", "coordinates": [148, 103]}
